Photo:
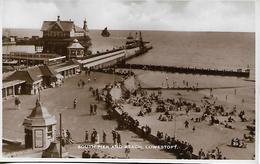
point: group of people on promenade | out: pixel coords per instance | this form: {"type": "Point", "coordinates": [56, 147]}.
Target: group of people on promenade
{"type": "Point", "coordinates": [66, 137]}
{"type": "Point", "coordinates": [95, 139]}
{"type": "Point", "coordinates": [95, 154]}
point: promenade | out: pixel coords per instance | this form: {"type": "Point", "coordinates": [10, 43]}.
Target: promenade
{"type": "Point", "coordinates": [60, 100]}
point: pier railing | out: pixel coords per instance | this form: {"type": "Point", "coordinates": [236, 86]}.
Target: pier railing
{"type": "Point", "coordinates": [188, 70]}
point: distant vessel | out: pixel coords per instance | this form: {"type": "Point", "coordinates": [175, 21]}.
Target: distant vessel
{"type": "Point", "coordinates": [130, 39]}
{"type": "Point", "coordinates": [132, 42]}
{"type": "Point", "coordinates": [105, 33]}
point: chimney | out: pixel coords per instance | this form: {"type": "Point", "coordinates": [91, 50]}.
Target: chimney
{"type": "Point", "coordinates": [58, 18]}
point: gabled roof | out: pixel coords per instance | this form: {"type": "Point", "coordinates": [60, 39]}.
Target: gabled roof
{"type": "Point", "coordinates": [35, 73]}
{"type": "Point", "coordinates": [58, 24]}
{"type": "Point", "coordinates": [65, 25]}
{"type": "Point", "coordinates": [78, 29]}
{"type": "Point", "coordinates": [29, 75]}
{"type": "Point", "coordinates": [47, 71]}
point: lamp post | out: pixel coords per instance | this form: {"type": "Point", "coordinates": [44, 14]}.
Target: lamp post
{"type": "Point", "coordinates": [175, 118]}
{"type": "Point", "coordinates": [60, 136]}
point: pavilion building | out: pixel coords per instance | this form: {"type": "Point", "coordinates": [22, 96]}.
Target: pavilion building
{"type": "Point", "coordinates": [59, 35]}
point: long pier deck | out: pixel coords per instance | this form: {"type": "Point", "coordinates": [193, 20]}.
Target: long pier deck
{"type": "Point", "coordinates": [187, 70]}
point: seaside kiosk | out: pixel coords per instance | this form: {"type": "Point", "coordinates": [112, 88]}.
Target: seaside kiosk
{"type": "Point", "coordinates": [39, 128]}
{"type": "Point", "coordinates": [75, 50]}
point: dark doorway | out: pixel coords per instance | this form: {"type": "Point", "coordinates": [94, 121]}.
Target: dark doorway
{"type": "Point", "coordinates": [28, 138]}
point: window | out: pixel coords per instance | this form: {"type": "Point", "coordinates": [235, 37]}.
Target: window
{"type": "Point", "coordinates": [49, 132]}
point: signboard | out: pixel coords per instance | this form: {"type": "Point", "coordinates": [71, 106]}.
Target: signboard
{"type": "Point", "coordinates": [38, 138]}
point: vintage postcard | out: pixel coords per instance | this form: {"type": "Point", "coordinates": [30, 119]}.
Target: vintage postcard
{"type": "Point", "coordinates": [128, 80]}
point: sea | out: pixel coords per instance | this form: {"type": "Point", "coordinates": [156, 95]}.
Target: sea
{"type": "Point", "coordinates": [215, 50]}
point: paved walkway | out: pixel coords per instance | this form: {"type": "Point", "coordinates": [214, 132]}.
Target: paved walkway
{"type": "Point", "coordinates": [60, 100]}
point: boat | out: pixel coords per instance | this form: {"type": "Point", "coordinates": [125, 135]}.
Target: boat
{"type": "Point", "coordinates": [105, 33]}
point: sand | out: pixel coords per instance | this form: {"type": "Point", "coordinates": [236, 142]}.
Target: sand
{"type": "Point", "coordinates": [205, 136]}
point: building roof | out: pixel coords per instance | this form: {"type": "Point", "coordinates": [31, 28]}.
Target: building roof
{"type": "Point", "coordinates": [47, 71]}
{"type": "Point", "coordinates": [29, 75]}
{"type": "Point", "coordinates": [12, 83]}
{"type": "Point", "coordinates": [78, 29]}
{"type": "Point", "coordinates": [64, 25]}
{"type": "Point", "coordinates": [65, 66]}
{"type": "Point", "coordinates": [39, 116]}
{"type": "Point", "coordinates": [35, 73]}
{"type": "Point", "coordinates": [75, 44]}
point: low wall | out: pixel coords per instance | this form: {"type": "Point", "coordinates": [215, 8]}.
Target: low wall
{"type": "Point", "coordinates": [138, 130]}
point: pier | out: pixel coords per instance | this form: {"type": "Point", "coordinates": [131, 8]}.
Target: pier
{"type": "Point", "coordinates": [188, 70]}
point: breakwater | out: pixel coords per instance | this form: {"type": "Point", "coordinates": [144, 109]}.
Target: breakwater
{"type": "Point", "coordinates": [187, 70]}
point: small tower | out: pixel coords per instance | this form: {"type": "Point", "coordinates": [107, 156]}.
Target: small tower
{"type": "Point", "coordinates": [58, 18]}
{"type": "Point", "coordinates": [39, 128]}
{"type": "Point", "coordinates": [85, 27]}
{"type": "Point", "coordinates": [75, 50]}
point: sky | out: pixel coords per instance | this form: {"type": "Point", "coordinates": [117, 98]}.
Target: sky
{"type": "Point", "coordinates": [170, 15]}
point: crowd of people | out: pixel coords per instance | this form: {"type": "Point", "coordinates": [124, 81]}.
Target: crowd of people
{"type": "Point", "coordinates": [167, 107]}
{"type": "Point", "coordinates": [213, 154]}
{"type": "Point", "coordinates": [87, 154]}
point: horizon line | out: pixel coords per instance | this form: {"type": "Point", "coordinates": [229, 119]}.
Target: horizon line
{"type": "Point", "coordinates": [141, 30]}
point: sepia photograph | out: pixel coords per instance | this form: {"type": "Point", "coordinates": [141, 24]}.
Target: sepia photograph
{"type": "Point", "coordinates": [128, 80]}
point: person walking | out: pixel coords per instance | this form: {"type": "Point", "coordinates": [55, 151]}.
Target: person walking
{"type": "Point", "coordinates": [104, 137]}
{"type": "Point", "coordinates": [75, 103]}
{"type": "Point", "coordinates": [91, 109]}
{"type": "Point", "coordinates": [119, 139]}
{"type": "Point", "coordinates": [193, 129]}
{"type": "Point", "coordinates": [83, 83]}
{"type": "Point", "coordinates": [95, 109]}
{"type": "Point", "coordinates": [186, 124]}
{"type": "Point", "coordinates": [86, 136]}
{"type": "Point", "coordinates": [127, 150]}
{"type": "Point", "coordinates": [114, 136]}
{"type": "Point", "coordinates": [17, 103]}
